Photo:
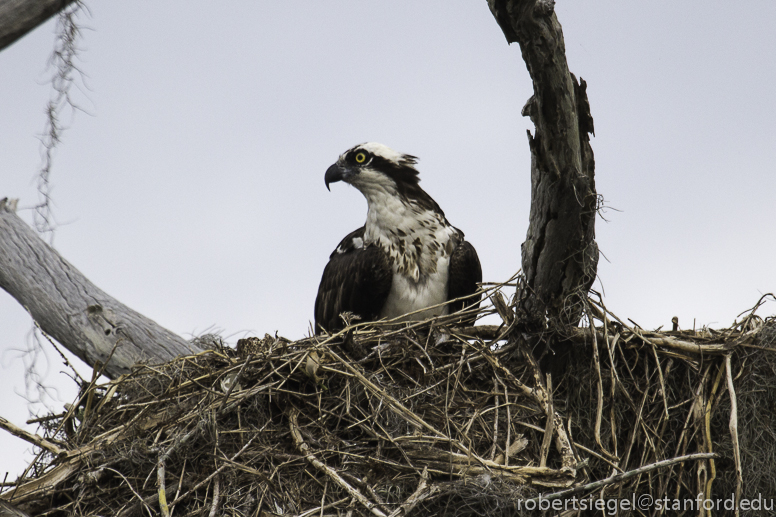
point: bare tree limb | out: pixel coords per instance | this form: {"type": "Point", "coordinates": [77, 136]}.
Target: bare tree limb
{"type": "Point", "coordinates": [18, 17]}
{"type": "Point", "coordinates": [559, 255]}
{"type": "Point", "coordinates": [72, 310]}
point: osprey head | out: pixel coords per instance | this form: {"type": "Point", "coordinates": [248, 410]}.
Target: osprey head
{"type": "Point", "coordinates": [373, 165]}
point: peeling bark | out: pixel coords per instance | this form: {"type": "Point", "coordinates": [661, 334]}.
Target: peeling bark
{"type": "Point", "coordinates": [559, 255]}
{"type": "Point", "coordinates": [72, 310]}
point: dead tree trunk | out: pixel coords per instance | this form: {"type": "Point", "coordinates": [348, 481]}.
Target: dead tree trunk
{"type": "Point", "coordinates": [68, 307]}
{"type": "Point", "coordinates": [18, 17]}
{"type": "Point", "coordinates": [559, 255]}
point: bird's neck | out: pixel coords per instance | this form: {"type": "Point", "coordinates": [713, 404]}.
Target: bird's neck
{"type": "Point", "coordinates": [414, 238]}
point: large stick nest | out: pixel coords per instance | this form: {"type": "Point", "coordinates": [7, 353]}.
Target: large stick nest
{"type": "Point", "coordinates": [425, 418]}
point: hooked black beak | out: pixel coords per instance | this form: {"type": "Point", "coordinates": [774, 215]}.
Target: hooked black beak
{"type": "Point", "coordinates": [334, 174]}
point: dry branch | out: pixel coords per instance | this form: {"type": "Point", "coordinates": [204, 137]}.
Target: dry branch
{"type": "Point", "coordinates": [32, 438]}
{"type": "Point", "coordinates": [72, 310]}
{"type": "Point", "coordinates": [627, 475]}
{"type": "Point", "coordinates": [733, 426]}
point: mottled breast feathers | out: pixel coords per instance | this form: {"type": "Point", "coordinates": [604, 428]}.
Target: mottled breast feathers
{"type": "Point", "coordinates": [358, 279]}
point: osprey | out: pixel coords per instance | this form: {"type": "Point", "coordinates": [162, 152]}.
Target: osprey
{"type": "Point", "coordinates": [407, 258]}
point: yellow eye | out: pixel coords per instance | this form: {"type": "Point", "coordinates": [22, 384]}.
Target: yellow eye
{"type": "Point", "coordinates": [360, 158]}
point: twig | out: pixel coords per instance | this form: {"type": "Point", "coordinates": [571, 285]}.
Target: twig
{"type": "Point", "coordinates": [495, 423]}
{"type": "Point", "coordinates": [72, 408]}
{"type": "Point", "coordinates": [293, 420]}
{"type": "Point", "coordinates": [507, 445]}
{"type": "Point", "coordinates": [322, 508]}
{"type": "Point", "coordinates": [422, 492]}
{"type": "Point", "coordinates": [180, 479]}
{"type": "Point", "coordinates": [660, 376]}
{"type": "Point", "coordinates": [185, 438]}
{"type": "Point", "coordinates": [143, 502]}
{"type": "Point", "coordinates": [707, 429]}
{"type": "Point", "coordinates": [635, 429]}
{"type": "Point", "coordinates": [540, 396]}
{"type": "Point", "coordinates": [161, 490]}
{"type": "Point", "coordinates": [658, 339]}
{"type": "Point", "coordinates": [46, 418]}
{"type": "Point", "coordinates": [216, 498]}
{"type": "Point", "coordinates": [217, 484]}
{"type": "Point", "coordinates": [212, 475]}
{"type": "Point", "coordinates": [733, 426]}
{"type": "Point", "coordinates": [550, 425]}
{"type": "Point", "coordinates": [599, 386]}
{"type": "Point", "coordinates": [323, 497]}
{"type": "Point", "coordinates": [627, 475]}
{"type": "Point", "coordinates": [399, 408]}
{"type": "Point", "coordinates": [235, 382]}
{"type": "Point", "coordinates": [29, 437]}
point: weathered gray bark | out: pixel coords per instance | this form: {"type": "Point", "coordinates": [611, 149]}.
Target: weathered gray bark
{"type": "Point", "coordinates": [72, 310]}
{"type": "Point", "coordinates": [559, 255]}
{"type": "Point", "coordinates": [18, 17]}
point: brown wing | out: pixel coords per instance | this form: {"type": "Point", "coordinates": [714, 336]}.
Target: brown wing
{"type": "Point", "coordinates": [356, 279]}
{"type": "Point", "coordinates": [463, 275]}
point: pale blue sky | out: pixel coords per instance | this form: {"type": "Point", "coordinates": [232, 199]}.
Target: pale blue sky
{"type": "Point", "coordinates": [193, 189]}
